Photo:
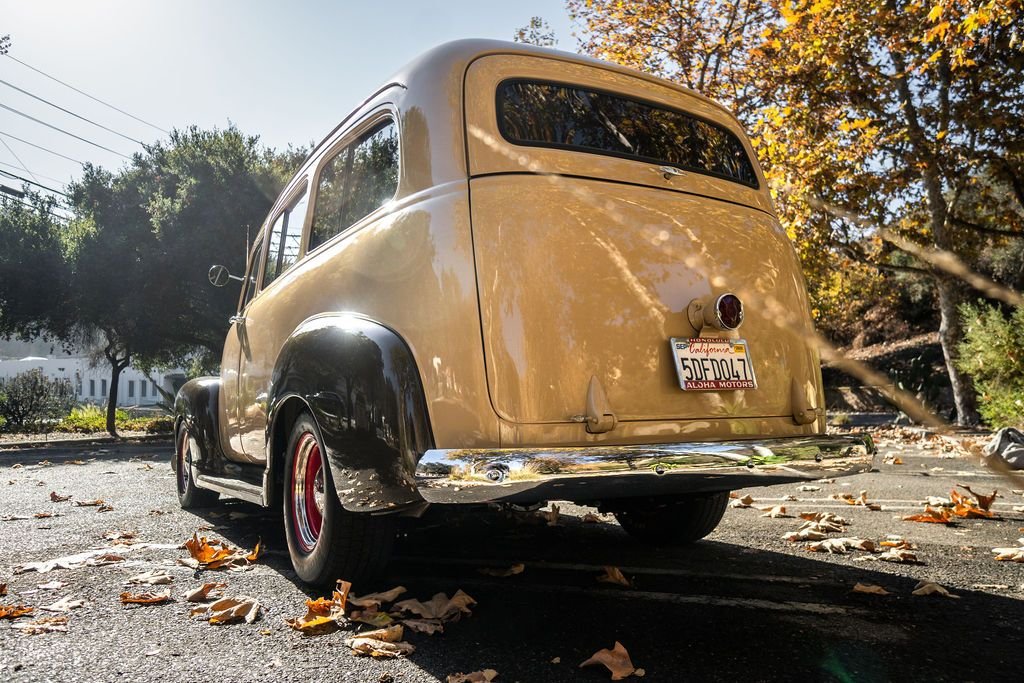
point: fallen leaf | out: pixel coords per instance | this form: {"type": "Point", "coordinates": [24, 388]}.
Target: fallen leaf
{"type": "Point", "coordinates": [208, 591]}
{"type": "Point", "coordinates": [616, 660]}
{"type": "Point", "coordinates": [93, 558]}
{"type": "Point", "coordinates": [551, 516]}
{"type": "Point", "coordinates": [428, 626]}
{"type": "Point", "coordinates": [775, 512]}
{"type": "Point", "coordinates": [376, 599]}
{"type": "Point", "coordinates": [614, 575]}
{"type": "Point", "coordinates": [214, 554]}
{"type": "Point", "coordinates": [57, 624]}
{"type": "Point", "coordinates": [803, 535]}
{"type": "Point", "coordinates": [807, 488]}
{"type": "Point", "coordinates": [385, 642]}
{"type": "Point", "coordinates": [156, 577]}
{"type": "Point", "coordinates": [556, 660]}
{"type": "Point", "coordinates": [591, 518]}
{"type": "Point", "coordinates": [841, 545]}
{"type": "Point", "coordinates": [233, 610]}
{"type": "Point", "coordinates": [371, 617]}
{"type": "Point", "coordinates": [1010, 554]}
{"type": "Point", "coordinates": [900, 555]}
{"type": "Point", "coordinates": [13, 518]}
{"type": "Point", "coordinates": [984, 501]}
{"type": "Point", "coordinates": [485, 676]}
{"type": "Point", "coordinates": [147, 598]}
{"type": "Point", "coordinates": [105, 508]}
{"type": "Point", "coordinates": [502, 573]}
{"type": "Point", "coordinates": [932, 515]}
{"type": "Point", "coordinates": [744, 502]}
{"type": "Point", "coordinates": [439, 607]}
{"type": "Point", "coordinates": [3, 589]}
{"type": "Point", "coordinates": [870, 589]}
{"type": "Point", "coordinates": [14, 611]}
{"type": "Point", "coordinates": [119, 537]}
{"type": "Point", "coordinates": [43, 515]}
{"type": "Point", "coordinates": [932, 588]}
{"type": "Point", "coordinates": [49, 586]}
{"type": "Point", "coordinates": [57, 498]}
{"type": "Point", "coordinates": [323, 615]}
{"type": "Point", "coordinates": [790, 498]}
{"type": "Point", "coordinates": [90, 503]}
{"type": "Point", "coordinates": [65, 604]}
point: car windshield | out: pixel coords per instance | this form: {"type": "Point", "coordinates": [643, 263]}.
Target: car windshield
{"type": "Point", "coordinates": [571, 117]}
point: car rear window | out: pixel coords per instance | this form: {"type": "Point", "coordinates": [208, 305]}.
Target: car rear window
{"type": "Point", "coordinates": [570, 117]}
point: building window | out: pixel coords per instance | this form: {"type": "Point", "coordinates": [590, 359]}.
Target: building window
{"type": "Point", "coordinates": [142, 388]}
{"type": "Point", "coordinates": [92, 387]}
{"type": "Point", "coordinates": [131, 388]}
{"type": "Point", "coordinates": [103, 388]}
{"type": "Point", "coordinates": [154, 390]}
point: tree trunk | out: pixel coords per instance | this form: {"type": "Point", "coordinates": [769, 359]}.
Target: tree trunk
{"type": "Point", "coordinates": [950, 334]}
{"type": "Point", "coordinates": [117, 364]}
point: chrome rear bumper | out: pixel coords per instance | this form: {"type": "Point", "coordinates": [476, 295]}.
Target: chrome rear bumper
{"type": "Point", "coordinates": [597, 473]}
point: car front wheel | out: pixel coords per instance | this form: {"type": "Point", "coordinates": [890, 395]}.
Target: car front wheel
{"type": "Point", "coordinates": [189, 495]}
{"type": "Point", "coordinates": [674, 521]}
{"type": "Point", "coordinates": [325, 541]}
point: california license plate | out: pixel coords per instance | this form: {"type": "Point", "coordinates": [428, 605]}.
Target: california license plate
{"type": "Point", "coordinates": [706, 364]}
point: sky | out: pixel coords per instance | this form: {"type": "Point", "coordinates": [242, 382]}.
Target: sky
{"type": "Point", "coordinates": [286, 71]}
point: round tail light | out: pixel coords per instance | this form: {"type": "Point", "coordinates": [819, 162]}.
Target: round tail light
{"type": "Point", "coordinates": [729, 311]}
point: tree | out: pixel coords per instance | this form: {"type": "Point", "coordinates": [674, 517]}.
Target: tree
{"type": "Point", "coordinates": [537, 32]}
{"type": "Point", "coordinates": [891, 110]}
{"type": "Point", "coordinates": [148, 235]}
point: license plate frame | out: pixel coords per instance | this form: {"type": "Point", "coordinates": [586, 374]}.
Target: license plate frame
{"type": "Point", "coordinates": [702, 363]}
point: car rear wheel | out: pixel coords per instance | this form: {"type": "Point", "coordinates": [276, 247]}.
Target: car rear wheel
{"type": "Point", "coordinates": [189, 495]}
{"type": "Point", "coordinates": [325, 541]}
{"type": "Point", "coordinates": [674, 521]}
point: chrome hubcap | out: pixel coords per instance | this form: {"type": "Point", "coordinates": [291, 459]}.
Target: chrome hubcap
{"type": "Point", "coordinates": [308, 492]}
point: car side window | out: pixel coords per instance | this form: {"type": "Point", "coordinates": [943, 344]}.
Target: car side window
{"type": "Point", "coordinates": [249, 285]}
{"type": "Point", "coordinates": [359, 179]}
{"type": "Point", "coordinates": [285, 239]}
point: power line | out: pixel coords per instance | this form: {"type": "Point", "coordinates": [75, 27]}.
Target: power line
{"type": "Point", "coordinates": [32, 206]}
{"type": "Point", "coordinates": [61, 130]}
{"type": "Point", "coordinates": [34, 175]}
{"type": "Point", "coordinates": [96, 99]}
{"type": "Point", "coordinates": [18, 159]}
{"type": "Point", "coordinates": [68, 111]}
{"type": "Point", "coordinates": [32, 144]}
{"type": "Point", "coordinates": [26, 180]}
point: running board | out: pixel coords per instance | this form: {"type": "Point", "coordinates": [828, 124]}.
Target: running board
{"type": "Point", "coordinates": [232, 487]}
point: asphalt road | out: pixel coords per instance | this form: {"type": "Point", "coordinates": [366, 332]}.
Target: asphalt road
{"type": "Point", "coordinates": [742, 605]}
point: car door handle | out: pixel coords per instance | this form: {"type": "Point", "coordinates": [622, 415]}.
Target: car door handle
{"type": "Point", "coordinates": [236, 319]}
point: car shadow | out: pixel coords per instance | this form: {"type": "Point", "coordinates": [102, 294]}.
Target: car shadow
{"type": "Point", "coordinates": [713, 610]}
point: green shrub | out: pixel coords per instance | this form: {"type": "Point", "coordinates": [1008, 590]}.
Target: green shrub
{"type": "Point", "coordinates": [991, 353]}
{"type": "Point", "coordinates": [30, 398]}
{"type": "Point", "coordinates": [151, 425]}
{"type": "Point", "coordinates": [89, 418]}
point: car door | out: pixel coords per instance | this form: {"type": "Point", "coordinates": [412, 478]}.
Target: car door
{"type": "Point", "coordinates": [235, 348]}
{"type": "Point", "coordinates": [264, 331]}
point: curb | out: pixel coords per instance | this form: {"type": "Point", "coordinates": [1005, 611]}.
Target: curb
{"type": "Point", "coordinates": [84, 441]}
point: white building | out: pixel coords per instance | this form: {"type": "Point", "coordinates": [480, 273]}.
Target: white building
{"type": "Point", "coordinates": [92, 384]}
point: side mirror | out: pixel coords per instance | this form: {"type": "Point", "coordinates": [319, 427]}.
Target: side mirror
{"type": "Point", "coordinates": [220, 276]}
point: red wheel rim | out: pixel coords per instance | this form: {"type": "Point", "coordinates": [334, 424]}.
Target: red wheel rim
{"type": "Point", "coordinates": [307, 492]}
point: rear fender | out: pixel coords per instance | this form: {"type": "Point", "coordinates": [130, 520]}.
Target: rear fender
{"type": "Point", "coordinates": [359, 380]}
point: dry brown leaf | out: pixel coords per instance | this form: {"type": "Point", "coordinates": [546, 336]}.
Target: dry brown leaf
{"type": "Point", "coordinates": [233, 610]}
{"type": "Point", "coordinates": [119, 537]}
{"type": "Point", "coordinates": [323, 615]}
{"type": "Point", "coordinates": [376, 599]}
{"type": "Point", "coordinates": [984, 501]}
{"type": "Point", "coordinates": [428, 626]}
{"type": "Point", "coordinates": [591, 518]}
{"type": "Point", "coordinates": [43, 515]}
{"type": "Point", "coordinates": [616, 660]}
{"type": "Point", "coordinates": [1010, 554]}
{"type": "Point", "coordinates": [744, 502]}
{"type": "Point", "coordinates": [385, 642]}
{"type": "Point", "coordinates": [932, 588]}
{"type": "Point", "coordinates": [551, 516]}
{"type": "Point", "coordinates": [147, 598]}
{"type": "Point", "coordinates": [215, 554]}
{"type": "Point", "coordinates": [808, 488]}
{"type": "Point", "coordinates": [105, 508]}
{"type": "Point", "coordinates": [208, 591]}
{"type": "Point", "coordinates": [775, 512]}
{"type": "Point", "coordinates": [900, 555]}
{"type": "Point", "coordinates": [104, 559]}
{"type": "Point", "coordinates": [841, 545]}
{"type": "Point", "coordinates": [485, 676]}
{"type": "Point", "coordinates": [90, 503]}
{"type": "Point", "coordinates": [14, 611]}
{"type": "Point", "coordinates": [931, 515]}
{"type": "Point", "coordinates": [371, 617]}
{"type": "Point", "coordinates": [156, 577]}
{"type": "Point", "coordinates": [57, 498]}
{"type": "Point", "coordinates": [614, 575]}
{"type": "Point", "coordinates": [439, 607]}
{"type": "Point", "coordinates": [65, 604]}
{"type": "Point", "coordinates": [502, 573]}
{"type": "Point", "coordinates": [870, 589]}
{"type": "Point", "coordinates": [58, 624]}
{"type": "Point", "coordinates": [803, 535]}
{"type": "Point", "coordinates": [3, 589]}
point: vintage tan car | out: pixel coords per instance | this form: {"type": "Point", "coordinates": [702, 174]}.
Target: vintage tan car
{"type": "Point", "coordinates": [513, 275]}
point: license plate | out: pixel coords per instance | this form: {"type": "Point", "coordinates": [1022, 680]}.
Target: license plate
{"type": "Point", "coordinates": [713, 364]}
